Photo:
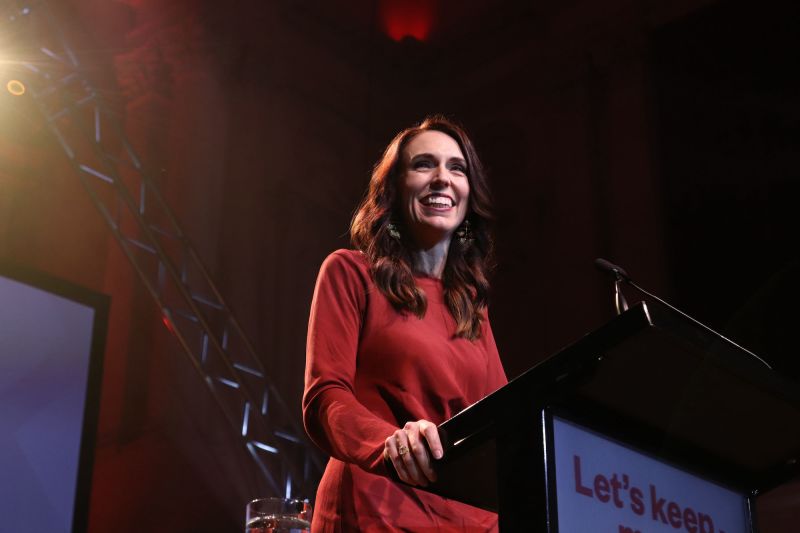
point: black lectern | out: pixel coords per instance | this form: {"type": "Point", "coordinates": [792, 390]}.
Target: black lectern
{"type": "Point", "coordinates": [682, 400]}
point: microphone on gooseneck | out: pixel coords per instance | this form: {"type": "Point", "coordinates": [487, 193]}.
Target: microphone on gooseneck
{"type": "Point", "coordinates": [621, 275]}
{"type": "Point", "coordinates": [607, 266]}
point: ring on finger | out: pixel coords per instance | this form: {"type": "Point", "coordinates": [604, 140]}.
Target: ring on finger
{"type": "Point", "coordinates": [402, 450]}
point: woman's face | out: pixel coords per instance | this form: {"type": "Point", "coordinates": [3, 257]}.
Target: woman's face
{"type": "Point", "coordinates": [433, 188]}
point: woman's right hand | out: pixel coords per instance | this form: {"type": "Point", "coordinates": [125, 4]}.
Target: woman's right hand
{"type": "Point", "coordinates": [409, 455]}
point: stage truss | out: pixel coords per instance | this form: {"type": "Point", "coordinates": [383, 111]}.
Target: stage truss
{"type": "Point", "coordinates": [118, 183]}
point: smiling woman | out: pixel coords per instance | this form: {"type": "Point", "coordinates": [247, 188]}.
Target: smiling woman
{"type": "Point", "coordinates": [434, 192]}
{"type": "Point", "coordinates": [399, 339]}
{"type": "Point", "coordinates": [385, 229]}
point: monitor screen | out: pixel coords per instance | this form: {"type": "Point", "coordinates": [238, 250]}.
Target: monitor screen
{"type": "Point", "coordinates": [51, 344]}
{"type": "Point", "coordinates": [603, 486]}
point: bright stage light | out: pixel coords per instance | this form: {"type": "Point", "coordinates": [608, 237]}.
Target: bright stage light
{"type": "Point", "coordinates": [15, 87]}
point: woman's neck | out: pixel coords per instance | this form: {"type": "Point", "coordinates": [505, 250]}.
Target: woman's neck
{"type": "Point", "coordinates": [431, 261]}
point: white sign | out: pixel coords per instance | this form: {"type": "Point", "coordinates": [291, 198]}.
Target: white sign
{"type": "Point", "coordinates": [604, 487]}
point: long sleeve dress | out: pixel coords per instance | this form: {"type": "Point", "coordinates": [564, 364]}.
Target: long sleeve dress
{"type": "Point", "coordinates": [369, 370]}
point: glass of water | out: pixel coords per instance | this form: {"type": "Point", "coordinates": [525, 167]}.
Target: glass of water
{"type": "Point", "coordinates": [278, 515]}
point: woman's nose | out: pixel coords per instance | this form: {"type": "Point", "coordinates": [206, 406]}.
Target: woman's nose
{"type": "Point", "coordinates": [441, 176]}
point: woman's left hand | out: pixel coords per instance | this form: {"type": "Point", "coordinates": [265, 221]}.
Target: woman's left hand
{"type": "Point", "coordinates": [409, 454]}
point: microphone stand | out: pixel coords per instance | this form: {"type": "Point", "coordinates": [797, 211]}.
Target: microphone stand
{"type": "Point", "coordinates": [619, 302]}
{"type": "Point", "coordinates": [619, 299]}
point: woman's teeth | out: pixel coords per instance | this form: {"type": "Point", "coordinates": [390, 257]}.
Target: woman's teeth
{"type": "Point", "coordinates": [437, 201]}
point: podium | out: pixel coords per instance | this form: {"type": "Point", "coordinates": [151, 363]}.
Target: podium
{"type": "Point", "coordinates": [657, 401]}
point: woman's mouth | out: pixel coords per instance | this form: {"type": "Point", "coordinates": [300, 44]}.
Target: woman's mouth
{"type": "Point", "coordinates": [437, 201]}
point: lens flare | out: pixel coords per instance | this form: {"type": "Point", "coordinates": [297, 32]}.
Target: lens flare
{"type": "Point", "coordinates": [15, 87]}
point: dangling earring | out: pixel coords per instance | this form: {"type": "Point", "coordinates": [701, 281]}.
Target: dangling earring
{"type": "Point", "coordinates": [464, 234]}
{"type": "Point", "coordinates": [394, 233]}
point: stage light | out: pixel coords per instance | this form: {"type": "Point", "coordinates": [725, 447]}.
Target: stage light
{"type": "Point", "coordinates": [407, 18]}
{"type": "Point", "coordinates": [15, 87]}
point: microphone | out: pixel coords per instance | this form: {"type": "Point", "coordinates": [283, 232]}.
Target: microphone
{"type": "Point", "coordinates": [607, 266]}
{"type": "Point", "coordinates": [620, 275]}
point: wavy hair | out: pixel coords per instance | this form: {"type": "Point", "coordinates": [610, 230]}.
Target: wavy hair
{"type": "Point", "coordinates": [466, 287]}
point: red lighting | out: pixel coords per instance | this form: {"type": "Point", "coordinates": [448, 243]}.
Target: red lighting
{"type": "Point", "coordinates": [168, 322]}
{"type": "Point", "coordinates": [407, 18]}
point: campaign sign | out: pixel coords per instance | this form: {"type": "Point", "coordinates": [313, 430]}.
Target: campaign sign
{"type": "Point", "coordinates": [604, 487]}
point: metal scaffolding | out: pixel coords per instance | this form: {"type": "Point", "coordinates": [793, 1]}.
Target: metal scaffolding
{"type": "Point", "coordinates": [92, 137]}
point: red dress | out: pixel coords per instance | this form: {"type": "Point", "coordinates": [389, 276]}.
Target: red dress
{"type": "Point", "coordinates": [369, 370]}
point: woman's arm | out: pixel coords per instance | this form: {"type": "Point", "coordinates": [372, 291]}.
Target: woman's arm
{"type": "Point", "coordinates": [334, 419]}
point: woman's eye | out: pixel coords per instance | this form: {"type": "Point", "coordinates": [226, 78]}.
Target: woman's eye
{"type": "Point", "coordinates": [459, 168]}
{"type": "Point", "coordinates": [423, 164]}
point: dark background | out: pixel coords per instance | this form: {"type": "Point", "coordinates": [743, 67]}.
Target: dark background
{"type": "Point", "coordinates": [660, 135]}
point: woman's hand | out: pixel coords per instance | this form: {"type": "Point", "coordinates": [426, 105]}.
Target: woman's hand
{"type": "Point", "coordinates": [409, 455]}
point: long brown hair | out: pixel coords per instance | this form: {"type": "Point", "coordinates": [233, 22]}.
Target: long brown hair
{"type": "Point", "coordinates": [466, 287]}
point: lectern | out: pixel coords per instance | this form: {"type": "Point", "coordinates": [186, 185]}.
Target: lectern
{"type": "Point", "coordinates": [648, 424]}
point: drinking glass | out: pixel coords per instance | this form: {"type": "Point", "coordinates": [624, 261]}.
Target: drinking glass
{"type": "Point", "coordinates": [278, 515]}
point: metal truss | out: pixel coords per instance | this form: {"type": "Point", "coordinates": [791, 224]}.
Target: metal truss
{"type": "Point", "coordinates": [117, 181]}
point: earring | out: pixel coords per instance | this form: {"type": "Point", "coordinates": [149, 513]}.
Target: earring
{"type": "Point", "coordinates": [394, 233]}
{"type": "Point", "coordinates": [464, 233]}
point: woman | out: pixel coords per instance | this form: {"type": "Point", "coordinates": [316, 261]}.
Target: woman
{"type": "Point", "coordinates": [398, 337]}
